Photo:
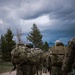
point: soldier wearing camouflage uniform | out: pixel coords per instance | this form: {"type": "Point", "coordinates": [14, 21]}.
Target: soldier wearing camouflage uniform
{"type": "Point", "coordinates": [69, 60]}
{"type": "Point", "coordinates": [27, 61]}
{"type": "Point", "coordinates": [57, 54]}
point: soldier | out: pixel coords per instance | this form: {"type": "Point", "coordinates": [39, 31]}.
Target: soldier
{"type": "Point", "coordinates": [20, 60]}
{"type": "Point", "coordinates": [27, 61]}
{"type": "Point", "coordinates": [57, 54]}
{"type": "Point", "coordinates": [69, 58]}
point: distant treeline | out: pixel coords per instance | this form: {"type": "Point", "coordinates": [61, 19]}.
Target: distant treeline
{"type": "Point", "coordinates": [7, 43]}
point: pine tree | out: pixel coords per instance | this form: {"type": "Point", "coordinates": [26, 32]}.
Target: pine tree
{"type": "Point", "coordinates": [35, 36]}
{"type": "Point", "coordinates": [3, 47]}
{"type": "Point", "coordinates": [7, 44]}
{"type": "Point", "coordinates": [0, 44]}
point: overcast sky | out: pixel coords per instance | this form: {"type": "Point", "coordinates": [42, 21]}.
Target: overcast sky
{"type": "Point", "coordinates": [54, 18]}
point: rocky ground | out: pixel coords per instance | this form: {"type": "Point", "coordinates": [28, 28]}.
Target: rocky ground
{"type": "Point", "coordinates": [14, 73]}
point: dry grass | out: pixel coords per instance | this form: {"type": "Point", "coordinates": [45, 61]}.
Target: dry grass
{"type": "Point", "coordinates": [5, 67]}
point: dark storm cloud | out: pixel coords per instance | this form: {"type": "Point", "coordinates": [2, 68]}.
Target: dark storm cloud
{"type": "Point", "coordinates": [32, 8]}
{"type": "Point", "coordinates": [53, 35]}
{"type": "Point", "coordinates": [10, 2]}
{"type": "Point", "coordinates": [61, 32]}
{"type": "Point", "coordinates": [57, 9]}
{"type": "Point", "coordinates": [61, 12]}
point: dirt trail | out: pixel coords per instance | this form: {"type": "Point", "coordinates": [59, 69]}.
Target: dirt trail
{"type": "Point", "coordinates": [7, 73]}
{"type": "Point", "coordinates": [14, 73]}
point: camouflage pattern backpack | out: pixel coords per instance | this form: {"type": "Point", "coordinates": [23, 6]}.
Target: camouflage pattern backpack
{"type": "Point", "coordinates": [57, 53]}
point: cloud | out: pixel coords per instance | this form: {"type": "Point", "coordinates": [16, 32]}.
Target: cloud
{"type": "Point", "coordinates": [55, 18]}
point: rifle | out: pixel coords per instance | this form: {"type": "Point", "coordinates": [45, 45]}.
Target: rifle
{"type": "Point", "coordinates": [13, 68]}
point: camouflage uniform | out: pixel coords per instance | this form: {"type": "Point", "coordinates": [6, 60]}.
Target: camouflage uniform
{"type": "Point", "coordinates": [27, 61]}
{"type": "Point", "coordinates": [57, 54]}
{"type": "Point", "coordinates": [69, 58]}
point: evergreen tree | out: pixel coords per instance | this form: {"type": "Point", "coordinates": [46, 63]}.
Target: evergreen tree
{"type": "Point", "coordinates": [7, 44]}
{"type": "Point", "coordinates": [35, 36]}
{"type": "Point", "coordinates": [3, 47]}
{"type": "Point", "coordinates": [45, 46]}
{"type": "Point", "coordinates": [0, 44]}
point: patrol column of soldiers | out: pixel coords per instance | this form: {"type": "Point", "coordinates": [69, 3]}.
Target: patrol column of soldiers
{"type": "Point", "coordinates": [30, 62]}
{"type": "Point", "coordinates": [59, 62]}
